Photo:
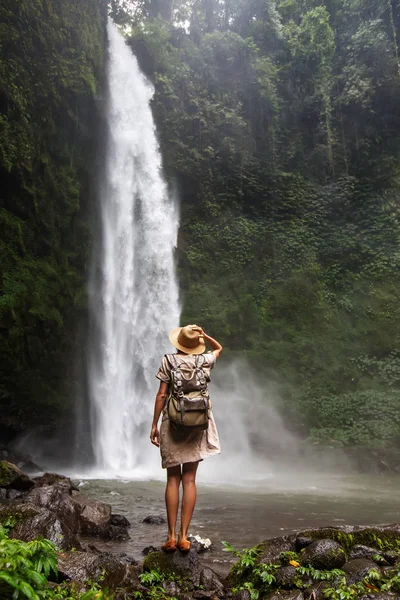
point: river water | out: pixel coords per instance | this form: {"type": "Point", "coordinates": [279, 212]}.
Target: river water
{"type": "Point", "coordinates": [244, 516]}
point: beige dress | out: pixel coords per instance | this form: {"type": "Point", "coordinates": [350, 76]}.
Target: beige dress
{"type": "Point", "coordinates": [177, 448]}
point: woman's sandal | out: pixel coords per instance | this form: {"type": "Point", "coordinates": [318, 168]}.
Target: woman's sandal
{"type": "Point", "coordinates": [184, 546]}
{"type": "Point", "coordinates": [169, 545]}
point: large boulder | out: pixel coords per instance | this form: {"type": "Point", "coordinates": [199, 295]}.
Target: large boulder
{"type": "Point", "coordinates": [56, 479]}
{"type": "Point", "coordinates": [350, 535]}
{"type": "Point", "coordinates": [285, 576]}
{"type": "Point", "coordinates": [272, 549]}
{"type": "Point", "coordinates": [92, 511]}
{"type": "Point", "coordinates": [11, 477]}
{"type": "Point", "coordinates": [360, 551]}
{"type": "Point", "coordinates": [186, 565]}
{"type": "Point", "coordinates": [356, 570]}
{"type": "Point", "coordinates": [324, 554]}
{"type": "Point", "coordinates": [57, 499]}
{"type": "Point", "coordinates": [83, 566]}
{"type": "Point", "coordinates": [29, 522]}
{"type": "Point", "coordinates": [96, 519]}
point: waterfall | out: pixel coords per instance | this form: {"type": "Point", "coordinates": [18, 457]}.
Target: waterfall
{"type": "Point", "coordinates": [133, 289]}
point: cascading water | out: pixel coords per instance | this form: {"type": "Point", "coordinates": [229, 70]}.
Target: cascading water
{"type": "Point", "coordinates": [134, 293]}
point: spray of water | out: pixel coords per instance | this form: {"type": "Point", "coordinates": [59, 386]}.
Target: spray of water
{"type": "Point", "coordinates": [134, 294]}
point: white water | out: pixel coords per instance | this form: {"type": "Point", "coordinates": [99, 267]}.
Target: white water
{"type": "Point", "coordinates": [133, 291]}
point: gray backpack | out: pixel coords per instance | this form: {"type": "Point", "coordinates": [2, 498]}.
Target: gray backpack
{"type": "Point", "coordinates": [188, 403]}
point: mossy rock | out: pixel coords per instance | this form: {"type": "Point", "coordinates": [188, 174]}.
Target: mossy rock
{"type": "Point", "coordinates": [382, 537]}
{"type": "Point", "coordinates": [11, 477]}
{"type": "Point", "coordinates": [184, 565]}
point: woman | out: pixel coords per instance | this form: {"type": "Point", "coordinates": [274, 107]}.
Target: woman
{"type": "Point", "coordinates": [182, 452]}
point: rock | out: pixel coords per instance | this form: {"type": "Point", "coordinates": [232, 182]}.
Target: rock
{"type": "Point", "coordinates": [57, 499]}
{"type": "Point", "coordinates": [242, 595]}
{"type": "Point", "coordinates": [302, 542]}
{"type": "Point", "coordinates": [316, 590]}
{"type": "Point", "coordinates": [273, 548]}
{"type": "Point", "coordinates": [11, 477]}
{"type": "Point", "coordinates": [360, 534]}
{"type": "Point", "coordinates": [198, 594]}
{"type": "Point", "coordinates": [32, 522]}
{"type": "Point", "coordinates": [210, 580]}
{"type": "Point", "coordinates": [284, 595]}
{"type": "Point", "coordinates": [360, 551]}
{"type": "Point", "coordinates": [119, 521]}
{"type": "Point", "coordinates": [149, 550]}
{"type": "Point", "coordinates": [56, 479]}
{"type": "Point", "coordinates": [171, 588]}
{"type": "Point", "coordinates": [81, 566]}
{"type": "Point", "coordinates": [356, 570]}
{"type": "Point", "coordinates": [123, 576]}
{"type": "Point", "coordinates": [380, 596]}
{"type": "Point", "coordinates": [324, 555]}
{"type": "Point", "coordinates": [92, 512]}
{"type": "Point", "coordinates": [199, 544]}
{"type": "Point", "coordinates": [285, 576]}
{"type": "Point", "coordinates": [15, 494]}
{"type": "Point", "coordinates": [185, 564]}
{"type": "Point", "coordinates": [154, 520]}
{"type": "Point", "coordinates": [3, 494]}
{"type": "Point", "coordinates": [105, 531]}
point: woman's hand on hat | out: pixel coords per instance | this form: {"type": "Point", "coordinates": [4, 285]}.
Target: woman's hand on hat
{"type": "Point", "coordinates": [198, 329]}
{"type": "Point", "coordinates": [155, 436]}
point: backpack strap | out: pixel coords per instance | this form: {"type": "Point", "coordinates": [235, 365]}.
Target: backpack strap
{"type": "Point", "coordinates": [176, 375]}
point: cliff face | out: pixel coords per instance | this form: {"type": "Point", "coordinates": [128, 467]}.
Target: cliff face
{"type": "Point", "coordinates": [51, 67]}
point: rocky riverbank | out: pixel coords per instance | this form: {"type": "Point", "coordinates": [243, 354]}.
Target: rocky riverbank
{"type": "Point", "coordinates": [337, 563]}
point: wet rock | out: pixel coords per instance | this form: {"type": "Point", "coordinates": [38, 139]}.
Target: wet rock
{"type": "Point", "coordinates": [207, 595]}
{"type": "Point", "coordinates": [154, 520]}
{"type": "Point", "coordinates": [324, 554]}
{"type": "Point", "coordinates": [284, 595]}
{"type": "Point", "coordinates": [302, 542]}
{"type": "Point", "coordinates": [15, 494]}
{"type": "Point", "coordinates": [360, 534]}
{"type": "Point", "coordinates": [106, 531]}
{"type": "Point", "coordinates": [360, 551]}
{"type": "Point", "coordinates": [56, 479]}
{"type": "Point", "coordinates": [81, 566]}
{"type": "Point", "coordinates": [32, 522]}
{"type": "Point", "coordinates": [242, 595]}
{"type": "Point", "coordinates": [285, 576]}
{"type": "Point", "coordinates": [11, 477]}
{"type": "Point", "coordinates": [92, 512]}
{"type": "Point", "coordinates": [210, 580]}
{"type": "Point", "coordinates": [171, 588]}
{"type": "Point", "coordinates": [149, 550]}
{"type": "Point", "coordinates": [273, 548]}
{"type": "Point", "coordinates": [316, 590]}
{"type": "Point", "coordinates": [57, 499]}
{"type": "Point", "coordinates": [356, 570]}
{"type": "Point", "coordinates": [123, 576]}
{"type": "Point", "coordinates": [119, 521]}
{"type": "Point", "coordinates": [185, 564]}
{"type": "Point", "coordinates": [199, 544]}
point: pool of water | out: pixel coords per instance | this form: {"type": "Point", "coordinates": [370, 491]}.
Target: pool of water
{"type": "Point", "coordinates": [244, 516]}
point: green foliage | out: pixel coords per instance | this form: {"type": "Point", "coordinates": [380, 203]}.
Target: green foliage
{"type": "Point", "coordinates": [50, 69]}
{"type": "Point", "coordinates": [278, 123]}
{"type": "Point", "coordinates": [25, 568]}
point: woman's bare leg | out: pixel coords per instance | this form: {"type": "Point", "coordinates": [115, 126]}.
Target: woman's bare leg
{"type": "Point", "coordinates": [189, 497]}
{"type": "Point", "coordinates": [172, 499]}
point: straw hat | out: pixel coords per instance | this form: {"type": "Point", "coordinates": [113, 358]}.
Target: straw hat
{"type": "Point", "coordinates": [187, 340]}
